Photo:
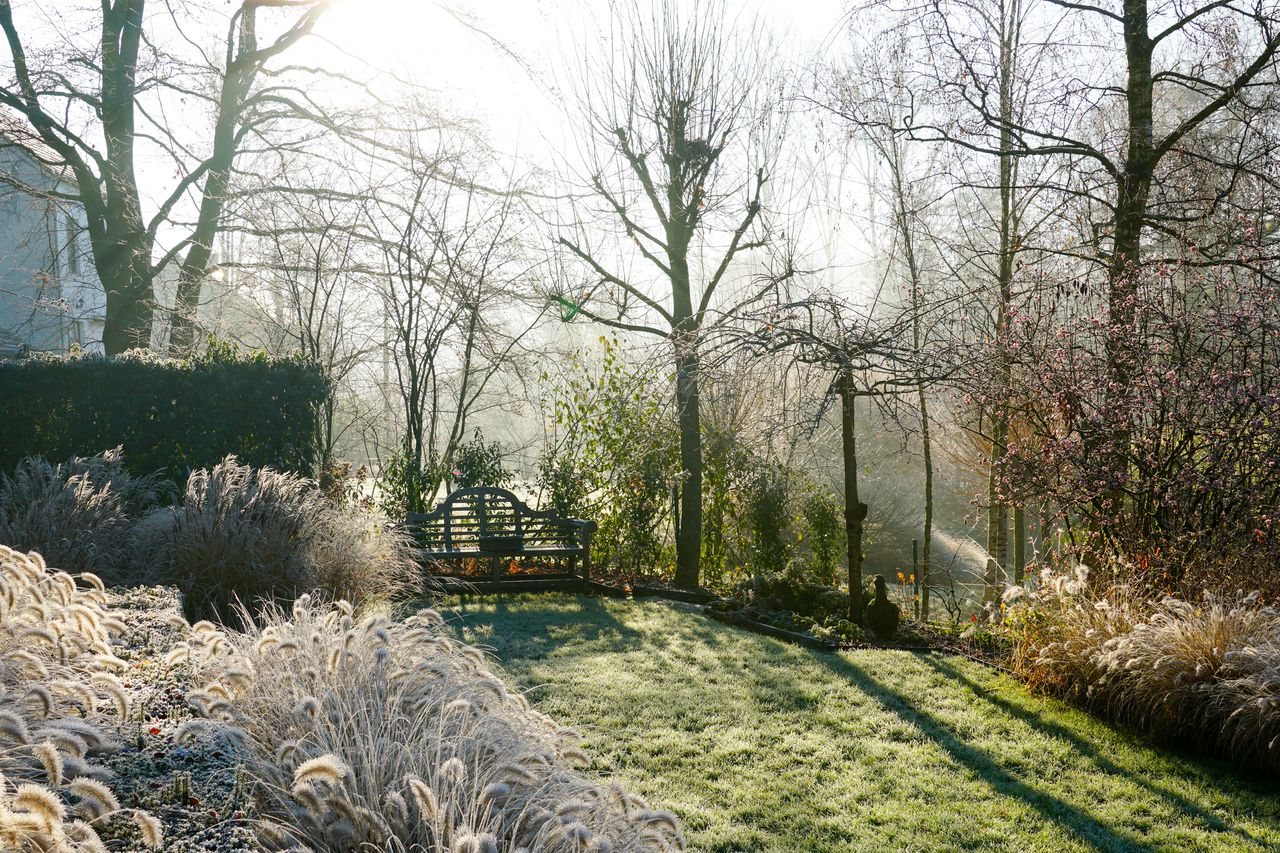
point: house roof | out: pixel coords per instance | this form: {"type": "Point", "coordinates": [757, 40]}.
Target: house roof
{"type": "Point", "coordinates": [17, 133]}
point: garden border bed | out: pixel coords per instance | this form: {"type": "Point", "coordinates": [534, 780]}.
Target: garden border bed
{"type": "Point", "coordinates": [688, 596]}
{"type": "Point", "coordinates": [770, 630]}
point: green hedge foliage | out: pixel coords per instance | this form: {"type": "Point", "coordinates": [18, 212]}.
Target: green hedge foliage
{"type": "Point", "coordinates": [167, 414]}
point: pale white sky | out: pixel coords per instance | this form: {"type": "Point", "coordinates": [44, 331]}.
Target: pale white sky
{"type": "Point", "coordinates": [515, 98]}
{"type": "Point", "coordinates": [418, 40]}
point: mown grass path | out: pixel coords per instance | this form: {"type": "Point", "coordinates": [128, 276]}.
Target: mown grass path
{"type": "Point", "coordinates": [759, 745]}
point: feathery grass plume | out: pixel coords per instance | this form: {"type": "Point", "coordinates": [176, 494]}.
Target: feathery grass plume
{"type": "Point", "coordinates": [95, 799]}
{"type": "Point", "coordinates": [191, 731]}
{"type": "Point", "coordinates": [119, 699]}
{"type": "Point", "coordinates": [178, 654]}
{"type": "Point", "coordinates": [65, 742]}
{"type": "Point", "coordinates": [250, 534]}
{"type": "Point", "coordinates": [148, 827]}
{"type": "Point", "coordinates": [1207, 673]}
{"type": "Point", "coordinates": [495, 792]}
{"type": "Point", "coordinates": [434, 764]}
{"type": "Point", "coordinates": [425, 797]}
{"type": "Point", "coordinates": [485, 842]}
{"type": "Point", "coordinates": [51, 760]}
{"type": "Point", "coordinates": [40, 802]}
{"type": "Point", "coordinates": [14, 727]}
{"type": "Point", "coordinates": [77, 692]}
{"type": "Point", "coordinates": [80, 513]}
{"type": "Point", "coordinates": [76, 767]}
{"type": "Point", "coordinates": [327, 769]}
{"type": "Point", "coordinates": [87, 732]}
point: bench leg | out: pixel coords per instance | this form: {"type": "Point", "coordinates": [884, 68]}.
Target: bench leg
{"type": "Point", "coordinates": [495, 568]}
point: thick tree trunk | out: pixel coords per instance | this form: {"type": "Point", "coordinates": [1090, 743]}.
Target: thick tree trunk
{"type": "Point", "coordinates": [689, 532]}
{"type": "Point", "coordinates": [1132, 191]}
{"type": "Point", "coordinates": [855, 512]}
{"type": "Point", "coordinates": [127, 284]}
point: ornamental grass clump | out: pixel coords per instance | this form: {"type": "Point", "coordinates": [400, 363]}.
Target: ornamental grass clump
{"type": "Point", "coordinates": [59, 697]}
{"type": "Point", "coordinates": [78, 514]}
{"type": "Point", "coordinates": [244, 534]}
{"type": "Point", "coordinates": [379, 735]}
{"type": "Point", "coordinates": [1207, 673]}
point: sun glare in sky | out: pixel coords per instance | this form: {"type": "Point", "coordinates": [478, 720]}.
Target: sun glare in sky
{"type": "Point", "coordinates": [500, 67]}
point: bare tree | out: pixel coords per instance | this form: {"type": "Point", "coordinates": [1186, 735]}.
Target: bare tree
{"type": "Point", "coordinates": [451, 260]}
{"type": "Point", "coordinates": [866, 360]}
{"type": "Point", "coordinates": [314, 267]}
{"type": "Point", "coordinates": [685, 132]}
{"type": "Point", "coordinates": [116, 87]}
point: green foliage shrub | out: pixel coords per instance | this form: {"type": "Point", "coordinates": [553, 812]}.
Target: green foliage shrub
{"type": "Point", "coordinates": [167, 415]}
{"type": "Point", "coordinates": [612, 457]}
{"type": "Point", "coordinates": [479, 464]}
{"type": "Point", "coordinates": [769, 516]}
{"type": "Point", "coordinates": [404, 486]}
{"type": "Point", "coordinates": [823, 516]}
{"type": "Point", "coordinates": [728, 470]}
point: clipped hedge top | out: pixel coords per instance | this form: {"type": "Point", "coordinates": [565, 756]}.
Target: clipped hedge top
{"type": "Point", "coordinates": [168, 414]}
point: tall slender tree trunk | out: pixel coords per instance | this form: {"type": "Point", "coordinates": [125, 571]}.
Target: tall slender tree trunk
{"type": "Point", "coordinates": [997, 509]}
{"type": "Point", "coordinates": [195, 266]}
{"type": "Point", "coordinates": [855, 511]}
{"type": "Point", "coordinates": [684, 336]}
{"type": "Point", "coordinates": [997, 515]}
{"type": "Point", "coordinates": [1019, 545]}
{"type": "Point", "coordinates": [906, 221]}
{"type": "Point", "coordinates": [926, 552]}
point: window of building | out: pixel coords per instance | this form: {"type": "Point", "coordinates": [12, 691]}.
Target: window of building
{"type": "Point", "coordinates": [73, 244]}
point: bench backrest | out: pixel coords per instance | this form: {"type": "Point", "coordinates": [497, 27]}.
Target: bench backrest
{"type": "Point", "coordinates": [476, 518]}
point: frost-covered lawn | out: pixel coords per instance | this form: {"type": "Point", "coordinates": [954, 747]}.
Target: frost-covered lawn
{"type": "Point", "coordinates": [759, 745]}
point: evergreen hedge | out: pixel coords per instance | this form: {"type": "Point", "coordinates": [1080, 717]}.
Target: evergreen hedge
{"type": "Point", "coordinates": [168, 414]}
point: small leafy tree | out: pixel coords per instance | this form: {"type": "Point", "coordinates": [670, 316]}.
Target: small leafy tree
{"type": "Point", "coordinates": [477, 463]}
{"type": "Point", "coordinates": [611, 455]}
{"type": "Point", "coordinates": [768, 511]}
{"type": "Point", "coordinates": [824, 523]}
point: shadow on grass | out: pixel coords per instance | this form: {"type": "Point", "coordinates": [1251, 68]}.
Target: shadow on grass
{"type": "Point", "coordinates": [772, 679]}
{"type": "Point", "coordinates": [1078, 822]}
{"type": "Point", "coordinates": [588, 616]}
{"type": "Point", "coordinates": [1089, 749]}
{"type": "Point", "coordinates": [1083, 825]}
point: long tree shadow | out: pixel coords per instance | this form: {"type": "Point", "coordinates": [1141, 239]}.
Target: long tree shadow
{"type": "Point", "coordinates": [1090, 750]}
{"type": "Point", "coordinates": [540, 615]}
{"type": "Point", "coordinates": [1082, 825]}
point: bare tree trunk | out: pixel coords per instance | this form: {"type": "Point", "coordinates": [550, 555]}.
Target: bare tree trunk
{"type": "Point", "coordinates": [855, 512]}
{"type": "Point", "coordinates": [195, 266]}
{"type": "Point", "coordinates": [127, 283]}
{"type": "Point", "coordinates": [689, 532]}
{"type": "Point", "coordinates": [997, 511]}
{"type": "Point", "coordinates": [926, 555]}
{"type": "Point", "coordinates": [1019, 545]}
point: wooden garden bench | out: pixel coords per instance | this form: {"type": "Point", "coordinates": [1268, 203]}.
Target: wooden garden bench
{"type": "Point", "coordinates": [487, 523]}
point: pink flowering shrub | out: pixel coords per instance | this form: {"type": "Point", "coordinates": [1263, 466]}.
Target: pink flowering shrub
{"type": "Point", "coordinates": [1156, 438]}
